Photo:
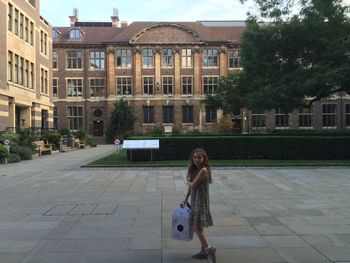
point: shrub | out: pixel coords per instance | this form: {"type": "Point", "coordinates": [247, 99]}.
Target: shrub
{"type": "Point", "coordinates": [65, 132]}
{"type": "Point", "coordinates": [13, 158]}
{"type": "Point", "coordinates": [26, 138]}
{"type": "Point", "coordinates": [25, 152]}
{"type": "Point", "coordinates": [251, 147]}
{"type": "Point", "coordinates": [4, 153]}
{"type": "Point", "coordinates": [80, 134]}
{"type": "Point", "coordinates": [53, 137]}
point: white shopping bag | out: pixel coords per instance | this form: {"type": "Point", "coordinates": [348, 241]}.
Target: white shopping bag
{"type": "Point", "coordinates": [181, 229]}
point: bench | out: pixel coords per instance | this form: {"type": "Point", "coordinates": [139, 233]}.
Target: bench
{"type": "Point", "coordinates": [79, 144]}
{"type": "Point", "coordinates": [42, 147]}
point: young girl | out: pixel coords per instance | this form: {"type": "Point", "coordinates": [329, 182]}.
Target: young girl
{"type": "Point", "coordinates": [198, 179]}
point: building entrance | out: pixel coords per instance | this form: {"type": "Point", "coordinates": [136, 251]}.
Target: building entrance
{"type": "Point", "coordinates": [98, 128]}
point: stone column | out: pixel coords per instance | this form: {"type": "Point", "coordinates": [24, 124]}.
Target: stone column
{"type": "Point", "coordinates": [223, 61]}
{"type": "Point", "coordinates": [177, 68]}
{"type": "Point", "coordinates": [197, 72]}
{"type": "Point", "coordinates": [12, 116]}
{"type": "Point", "coordinates": [137, 71]}
{"type": "Point", "coordinates": [157, 72]}
{"type": "Point", "coordinates": [111, 87]}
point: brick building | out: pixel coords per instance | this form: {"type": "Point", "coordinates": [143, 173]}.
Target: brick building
{"type": "Point", "coordinates": [163, 69]}
{"type": "Point", "coordinates": [25, 62]}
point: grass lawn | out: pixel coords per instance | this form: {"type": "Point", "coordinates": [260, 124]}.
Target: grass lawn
{"type": "Point", "coordinates": [120, 160]}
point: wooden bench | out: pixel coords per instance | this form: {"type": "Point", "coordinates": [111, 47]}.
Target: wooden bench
{"type": "Point", "coordinates": [42, 147]}
{"type": "Point", "coordinates": [79, 144]}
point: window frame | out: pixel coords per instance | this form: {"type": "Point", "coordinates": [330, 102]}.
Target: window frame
{"type": "Point", "coordinates": [185, 85]}
{"type": "Point", "coordinates": [148, 115]}
{"type": "Point", "coordinates": [99, 59]}
{"type": "Point", "coordinates": [329, 117]}
{"type": "Point", "coordinates": [149, 86]}
{"type": "Point", "coordinates": [123, 58]}
{"type": "Point", "coordinates": [75, 119]}
{"type": "Point", "coordinates": [168, 86]}
{"type": "Point", "coordinates": [210, 58]}
{"type": "Point", "coordinates": [168, 114]}
{"type": "Point", "coordinates": [210, 83]}
{"type": "Point", "coordinates": [167, 57]}
{"type": "Point", "coordinates": [282, 119]}
{"type": "Point", "coordinates": [187, 114]}
{"type": "Point", "coordinates": [124, 85]}
{"type": "Point", "coordinates": [55, 87]}
{"type": "Point", "coordinates": [147, 58]}
{"type": "Point", "coordinates": [305, 116]}
{"type": "Point", "coordinates": [210, 115]}
{"type": "Point", "coordinates": [186, 59]}
{"type": "Point", "coordinates": [76, 91]}
{"type": "Point", "coordinates": [74, 62]}
{"type": "Point", "coordinates": [97, 84]}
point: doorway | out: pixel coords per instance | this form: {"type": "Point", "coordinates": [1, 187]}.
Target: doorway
{"type": "Point", "coordinates": [98, 128]}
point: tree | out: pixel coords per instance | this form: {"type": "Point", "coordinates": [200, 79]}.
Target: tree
{"type": "Point", "coordinates": [293, 60]}
{"type": "Point", "coordinates": [121, 122]}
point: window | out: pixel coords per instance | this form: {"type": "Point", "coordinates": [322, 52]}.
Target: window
{"type": "Point", "coordinates": [74, 87]}
{"type": "Point", "coordinates": [210, 115]}
{"type": "Point", "coordinates": [124, 86]}
{"type": "Point", "coordinates": [167, 85]}
{"type": "Point", "coordinates": [55, 118]}
{"type": "Point", "coordinates": [167, 57]}
{"type": "Point", "coordinates": [20, 73]}
{"type": "Point", "coordinates": [186, 58]}
{"type": "Point", "coordinates": [74, 59]}
{"type": "Point", "coordinates": [210, 84]}
{"type": "Point", "coordinates": [9, 66]}
{"type": "Point", "coordinates": [258, 120]}
{"type": "Point", "coordinates": [210, 58]}
{"type": "Point", "coordinates": [9, 16]}
{"type": "Point", "coordinates": [281, 119]}
{"type": "Point", "coordinates": [329, 112]}
{"type": "Point", "coordinates": [98, 113]}
{"type": "Point", "coordinates": [43, 42]}
{"type": "Point", "coordinates": [123, 58]}
{"type": "Point", "coordinates": [54, 34]}
{"type": "Point", "coordinates": [26, 73]}
{"type": "Point", "coordinates": [97, 59]}
{"type": "Point", "coordinates": [75, 34]}
{"type": "Point", "coordinates": [347, 115]}
{"type": "Point", "coordinates": [31, 33]}
{"type": "Point", "coordinates": [55, 87]}
{"type": "Point", "coordinates": [31, 82]}
{"type": "Point", "coordinates": [75, 118]}
{"type": "Point", "coordinates": [44, 119]}
{"type": "Point", "coordinates": [21, 21]}
{"type": "Point", "coordinates": [305, 117]}
{"type": "Point", "coordinates": [43, 81]}
{"type": "Point", "coordinates": [16, 68]}
{"type": "Point", "coordinates": [16, 21]}
{"type": "Point", "coordinates": [168, 114]}
{"type": "Point", "coordinates": [97, 87]}
{"type": "Point", "coordinates": [54, 59]}
{"type": "Point", "coordinates": [233, 59]}
{"type": "Point", "coordinates": [26, 30]}
{"type": "Point", "coordinates": [186, 83]}
{"type": "Point", "coordinates": [187, 114]}
{"type": "Point", "coordinates": [148, 114]}
{"type": "Point", "coordinates": [148, 87]}
{"type": "Point", "coordinates": [147, 57]}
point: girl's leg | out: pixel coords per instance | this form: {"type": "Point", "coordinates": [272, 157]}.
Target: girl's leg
{"type": "Point", "coordinates": [201, 236]}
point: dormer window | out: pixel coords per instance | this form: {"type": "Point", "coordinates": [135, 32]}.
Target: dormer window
{"type": "Point", "coordinates": [55, 34]}
{"type": "Point", "coordinates": [75, 34]}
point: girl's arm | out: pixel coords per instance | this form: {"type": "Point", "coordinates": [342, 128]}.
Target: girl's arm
{"type": "Point", "coordinates": [201, 176]}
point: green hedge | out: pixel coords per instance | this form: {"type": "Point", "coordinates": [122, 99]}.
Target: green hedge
{"type": "Point", "coordinates": [250, 147]}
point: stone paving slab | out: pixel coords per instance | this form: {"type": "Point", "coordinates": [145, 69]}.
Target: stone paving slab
{"type": "Point", "coordinates": [51, 210]}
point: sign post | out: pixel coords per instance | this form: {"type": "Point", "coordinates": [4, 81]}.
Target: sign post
{"type": "Point", "coordinates": [117, 146]}
{"type": "Point", "coordinates": [141, 145]}
{"type": "Point", "coordinates": [7, 145]}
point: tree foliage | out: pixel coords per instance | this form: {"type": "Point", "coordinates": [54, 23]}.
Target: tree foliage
{"type": "Point", "coordinates": [291, 61]}
{"type": "Point", "coordinates": [121, 122]}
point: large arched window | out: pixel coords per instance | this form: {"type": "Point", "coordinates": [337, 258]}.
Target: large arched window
{"type": "Point", "coordinates": [75, 34]}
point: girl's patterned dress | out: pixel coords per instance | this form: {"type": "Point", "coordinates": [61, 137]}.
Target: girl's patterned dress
{"type": "Point", "coordinates": [200, 211]}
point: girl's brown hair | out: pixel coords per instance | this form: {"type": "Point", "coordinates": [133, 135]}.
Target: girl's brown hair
{"type": "Point", "coordinates": [193, 169]}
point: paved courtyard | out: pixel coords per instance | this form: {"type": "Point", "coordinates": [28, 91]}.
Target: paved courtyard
{"type": "Point", "coordinates": [53, 211]}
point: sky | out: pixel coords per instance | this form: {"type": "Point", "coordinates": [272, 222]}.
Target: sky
{"type": "Point", "coordinates": [57, 11]}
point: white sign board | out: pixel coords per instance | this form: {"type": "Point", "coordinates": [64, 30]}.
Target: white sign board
{"type": "Point", "coordinates": [140, 144]}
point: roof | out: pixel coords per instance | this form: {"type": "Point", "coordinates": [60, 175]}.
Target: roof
{"type": "Point", "coordinates": [156, 32]}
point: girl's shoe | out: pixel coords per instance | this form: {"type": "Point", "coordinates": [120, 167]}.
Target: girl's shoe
{"type": "Point", "coordinates": [212, 254]}
{"type": "Point", "coordinates": [201, 254]}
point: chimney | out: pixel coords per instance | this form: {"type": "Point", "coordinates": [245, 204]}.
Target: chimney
{"type": "Point", "coordinates": [124, 23]}
{"type": "Point", "coordinates": [115, 18]}
{"type": "Point", "coordinates": [74, 17]}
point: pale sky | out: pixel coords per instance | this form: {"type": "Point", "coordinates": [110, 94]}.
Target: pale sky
{"type": "Point", "coordinates": [57, 11]}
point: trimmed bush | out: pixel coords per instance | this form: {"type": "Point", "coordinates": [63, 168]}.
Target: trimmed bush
{"type": "Point", "coordinates": [13, 158]}
{"type": "Point", "coordinates": [250, 147]}
{"type": "Point", "coordinates": [52, 137]}
{"type": "Point", "coordinates": [25, 152]}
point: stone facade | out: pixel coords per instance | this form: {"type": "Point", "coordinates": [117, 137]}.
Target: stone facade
{"type": "Point", "coordinates": [25, 56]}
{"type": "Point", "coordinates": [154, 56]}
